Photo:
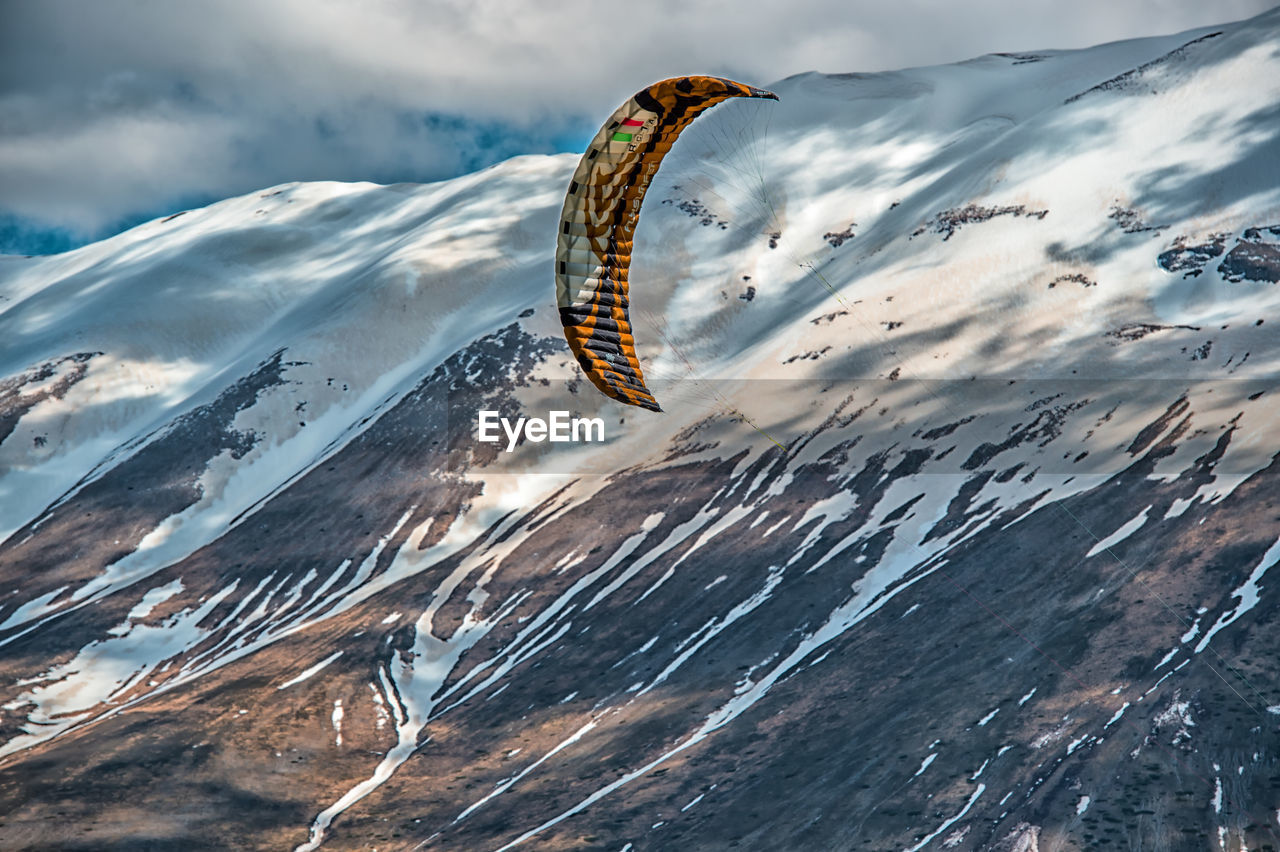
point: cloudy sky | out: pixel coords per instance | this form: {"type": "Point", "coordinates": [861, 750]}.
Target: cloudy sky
{"type": "Point", "coordinates": [115, 111]}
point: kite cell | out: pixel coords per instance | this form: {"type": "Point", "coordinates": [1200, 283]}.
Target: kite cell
{"type": "Point", "coordinates": [601, 209]}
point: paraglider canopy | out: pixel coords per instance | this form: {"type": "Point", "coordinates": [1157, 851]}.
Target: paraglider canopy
{"type": "Point", "coordinates": [601, 208]}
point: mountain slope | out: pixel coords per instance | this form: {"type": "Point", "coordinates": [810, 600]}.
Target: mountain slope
{"type": "Point", "coordinates": [956, 533]}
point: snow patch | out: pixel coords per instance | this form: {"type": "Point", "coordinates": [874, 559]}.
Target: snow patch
{"type": "Point", "coordinates": [1127, 529]}
{"type": "Point", "coordinates": [1249, 594]}
{"type": "Point", "coordinates": [336, 718]}
{"type": "Point", "coordinates": [309, 672]}
{"type": "Point", "coordinates": [950, 822]}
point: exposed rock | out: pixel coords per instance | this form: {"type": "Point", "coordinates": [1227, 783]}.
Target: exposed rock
{"type": "Point", "coordinates": [1138, 330]}
{"type": "Point", "coordinates": [1255, 257]}
{"type": "Point", "coordinates": [1133, 77]}
{"type": "Point", "coordinates": [1074, 277]}
{"type": "Point", "coordinates": [949, 221]}
{"type": "Point", "coordinates": [839, 238]}
{"type": "Point", "coordinates": [1189, 259]}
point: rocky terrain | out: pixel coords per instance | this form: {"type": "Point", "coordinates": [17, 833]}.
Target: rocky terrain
{"type": "Point", "coordinates": [958, 531]}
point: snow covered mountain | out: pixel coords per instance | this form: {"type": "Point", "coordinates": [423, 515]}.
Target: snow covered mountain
{"type": "Point", "coordinates": [958, 530]}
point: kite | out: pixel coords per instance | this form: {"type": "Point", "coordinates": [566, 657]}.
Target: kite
{"type": "Point", "coordinates": [601, 208]}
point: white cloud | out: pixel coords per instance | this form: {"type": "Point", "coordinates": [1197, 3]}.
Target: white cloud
{"type": "Point", "coordinates": [111, 108]}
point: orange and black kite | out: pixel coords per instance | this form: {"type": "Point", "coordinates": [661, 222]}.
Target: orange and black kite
{"type": "Point", "coordinates": [593, 253]}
